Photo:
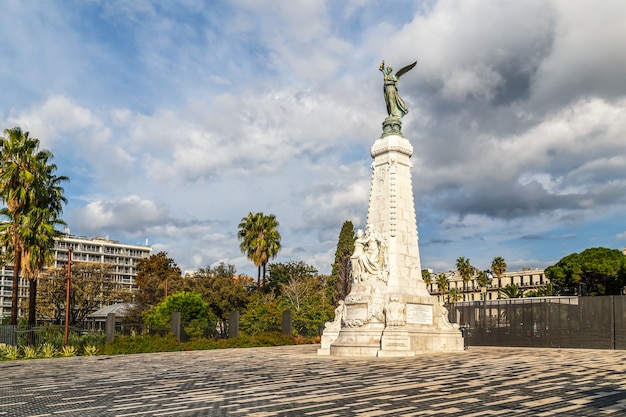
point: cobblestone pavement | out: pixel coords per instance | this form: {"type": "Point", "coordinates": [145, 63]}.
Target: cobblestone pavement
{"type": "Point", "coordinates": [294, 381]}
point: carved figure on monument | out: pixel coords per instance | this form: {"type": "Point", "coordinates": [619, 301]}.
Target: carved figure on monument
{"type": "Point", "coordinates": [340, 312]}
{"type": "Point", "coordinates": [370, 256]}
{"type": "Point", "coordinates": [441, 313]}
{"type": "Point", "coordinates": [394, 312]}
{"type": "Point", "coordinates": [377, 304]}
{"type": "Point", "coordinates": [395, 105]}
{"type": "Point", "coordinates": [359, 249]}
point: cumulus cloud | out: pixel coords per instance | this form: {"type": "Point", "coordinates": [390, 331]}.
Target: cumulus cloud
{"type": "Point", "coordinates": [176, 120]}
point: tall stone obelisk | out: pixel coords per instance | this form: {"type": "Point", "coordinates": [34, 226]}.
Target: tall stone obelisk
{"type": "Point", "coordinates": [389, 311]}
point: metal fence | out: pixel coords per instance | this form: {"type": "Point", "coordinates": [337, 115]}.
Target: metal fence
{"type": "Point", "coordinates": [36, 336]}
{"type": "Point", "coordinates": [565, 322]}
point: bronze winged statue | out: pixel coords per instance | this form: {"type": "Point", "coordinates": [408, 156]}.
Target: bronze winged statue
{"type": "Point", "coordinates": [395, 105]}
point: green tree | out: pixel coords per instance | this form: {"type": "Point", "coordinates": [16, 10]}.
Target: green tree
{"type": "Point", "coordinates": [37, 229]}
{"type": "Point", "coordinates": [153, 274]}
{"type": "Point", "coordinates": [443, 283]}
{"type": "Point", "coordinates": [454, 295]}
{"type": "Point", "coordinates": [484, 278]}
{"type": "Point", "coordinates": [543, 291]}
{"type": "Point", "coordinates": [190, 306]}
{"type": "Point", "coordinates": [340, 282]}
{"type": "Point", "coordinates": [601, 270]}
{"type": "Point", "coordinates": [427, 277]}
{"type": "Point", "coordinates": [34, 200]}
{"type": "Point", "coordinates": [220, 290]}
{"type": "Point", "coordinates": [302, 290]}
{"type": "Point", "coordinates": [511, 291]}
{"type": "Point", "coordinates": [498, 266]}
{"type": "Point", "coordinates": [259, 240]}
{"type": "Point", "coordinates": [93, 286]}
{"type": "Point", "coordinates": [282, 273]}
{"type": "Point", "coordinates": [263, 313]}
{"type": "Point", "coordinates": [465, 270]}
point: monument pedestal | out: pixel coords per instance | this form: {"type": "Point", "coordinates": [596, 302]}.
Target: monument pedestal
{"type": "Point", "coordinates": [389, 311]}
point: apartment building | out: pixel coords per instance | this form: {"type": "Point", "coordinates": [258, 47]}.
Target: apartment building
{"type": "Point", "coordinates": [122, 256]}
{"type": "Point", "coordinates": [526, 279]}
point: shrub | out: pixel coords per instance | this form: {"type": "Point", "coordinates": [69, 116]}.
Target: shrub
{"type": "Point", "coordinates": [48, 350]}
{"type": "Point", "coordinates": [12, 352]}
{"type": "Point", "coordinates": [69, 350]}
{"type": "Point", "coordinates": [30, 352]}
{"type": "Point", "coordinates": [90, 350]}
{"type": "Point", "coordinates": [189, 304]}
{"type": "Point", "coordinates": [196, 328]}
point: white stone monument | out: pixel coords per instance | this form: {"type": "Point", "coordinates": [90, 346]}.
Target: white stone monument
{"type": "Point", "coordinates": [389, 311]}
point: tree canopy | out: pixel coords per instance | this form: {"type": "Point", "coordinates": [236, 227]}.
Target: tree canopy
{"type": "Point", "coordinates": [596, 271]}
{"type": "Point", "coordinates": [34, 201]}
{"type": "Point", "coordinates": [153, 273]}
{"type": "Point", "coordinates": [259, 240]}
{"type": "Point", "coordinates": [340, 281]}
{"type": "Point", "coordinates": [190, 305]}
{"type": "Point", "coordinates": [220, 290]}
{"type": "Point", "coordinates": [92, 287]}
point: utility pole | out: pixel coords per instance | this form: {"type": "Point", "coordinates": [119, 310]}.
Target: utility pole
{"type": "Point", "coordinates": [67, 296]}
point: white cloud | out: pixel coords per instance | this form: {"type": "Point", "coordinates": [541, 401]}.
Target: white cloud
{"type": "Point", "coordinates": [175, 121]}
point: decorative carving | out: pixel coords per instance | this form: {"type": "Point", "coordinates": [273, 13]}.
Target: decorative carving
{"type": "Point", "coordinates": [393, 194]}
{"type": "Point", "coordinates": [369, 259]}
{"type": "Point", "coordinates": [394, 312]}
{"type": "Point", "coordinates": [441, 312]}
{"type": "Point", "coordinates": [340, 312]}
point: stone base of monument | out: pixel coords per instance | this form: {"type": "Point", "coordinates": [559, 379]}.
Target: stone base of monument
{"type": "Point", "coordinates": [328, 338]}
{"type": "Point", "coordinates": [411, 325]}
{"type": "Point", "coordinates": [360, 341]}
{"type": "Point", "coordinates": [404, 342]}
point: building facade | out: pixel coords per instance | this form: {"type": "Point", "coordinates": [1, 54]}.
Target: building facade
{"type": "Point", "coordinates": [526, 279]}
{"type": "Point", "coordinates": [123, 257]}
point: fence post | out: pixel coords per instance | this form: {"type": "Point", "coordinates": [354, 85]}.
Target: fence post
{"type": "Point", "coordinates": [286, 325]}
{"type": "Point", "coordinates": [233, 324]}
{"type": "Point", "coordinates": [176, 325]}
{"type": "Point", "coordinates": [110, 328]}
{"type": "Point", "coordinates": [612, 322]}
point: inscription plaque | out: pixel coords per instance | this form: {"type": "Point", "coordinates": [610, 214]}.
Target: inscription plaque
{"type": "Point", "coordinates": [356, 311]}
{"type": "Point", "coordinates": [419, 313]}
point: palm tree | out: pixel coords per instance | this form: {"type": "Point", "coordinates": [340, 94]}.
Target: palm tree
{"type": "Point", "coordinates": [465, 270]}
{"type": "Point", "coordinates": [428, 278]}
{"type": "Point", "coordinates": [512, 291]}
{"type": "Point", "coordinates": [34, 200]}
{"type": "Point", "coordinates": [260, 240]}
{"type": "Point", "coordinates": [38, 233]}
{"type": "Point", "coordinates": [443, 283]}
{"type": "Point", "coordinates": [454, 295]}
{"type": "Point", "coordinates": [19, 161]}
{"type": "Point", "coordinates": [498, 266]}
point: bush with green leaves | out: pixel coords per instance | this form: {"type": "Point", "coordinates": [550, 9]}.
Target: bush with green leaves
{"type": "Point", "coordinates": [12, 352]}
{"type": "Point", "coordinates": [189, 304]}
{"type": "Point", "coordinates": [90, 350]}
{"type": "Point", "coordinates": [30, 352]}
{"type": "Point", "coordinates": [69, 350]}
{"type": "Point", "coordinates": [263, 314]}
{"type": "Point", "coordinates": [48, 350]}
{"type": "Point", "coordinates": [196, 328]}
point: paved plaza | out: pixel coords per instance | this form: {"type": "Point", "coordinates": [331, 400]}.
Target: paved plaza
{"type": "Point", "coordinates": [294, 381]}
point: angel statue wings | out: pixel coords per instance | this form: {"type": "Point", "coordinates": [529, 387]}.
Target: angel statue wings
{"type": "Point", "coordinates": [395, 105]}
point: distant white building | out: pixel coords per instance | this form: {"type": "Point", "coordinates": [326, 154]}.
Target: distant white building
{"type": "Point", "coordinates": [123, 256]}
{"type": "Point", "coordinates": [526, 279]}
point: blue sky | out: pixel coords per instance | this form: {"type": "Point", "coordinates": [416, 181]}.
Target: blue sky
{"type": "Point", "coordinates": [174, 119]}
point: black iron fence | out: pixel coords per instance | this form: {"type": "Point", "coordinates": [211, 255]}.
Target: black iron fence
{"type": "Point", "coordinates": [36, 336]}
{"type": "Point", "coordinates": [565, 322]}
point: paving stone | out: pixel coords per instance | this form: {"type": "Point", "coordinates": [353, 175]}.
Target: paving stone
{"type": "Point", "coordinates": [295, 381]}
